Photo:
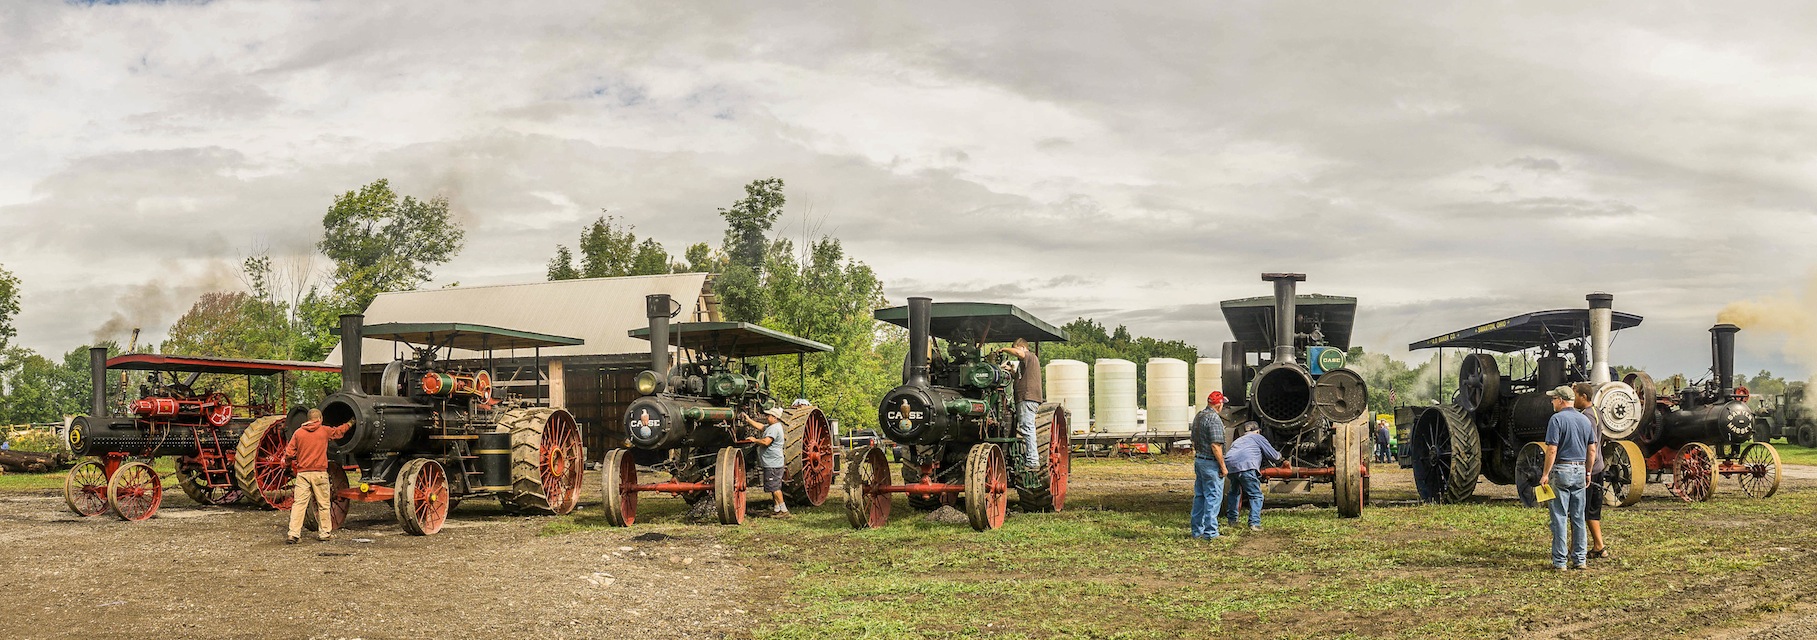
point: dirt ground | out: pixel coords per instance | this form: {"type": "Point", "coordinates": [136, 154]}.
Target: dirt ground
{"type": "Point", "coordinates": [225, 573]}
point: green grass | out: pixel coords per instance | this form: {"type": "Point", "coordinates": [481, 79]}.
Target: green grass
{"type": "Point", "coordinates": [1118, 564]}
{"type": "Point", "coordinates": [54, 479]}
{"type": "Point", "coordinates": [1794, 454]}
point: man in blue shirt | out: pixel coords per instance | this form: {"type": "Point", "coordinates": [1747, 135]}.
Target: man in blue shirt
{"type": "Point", "coordinates": [1207, 467]}
{"type": "Point", "coordinates": [1244, 460]}
{"type": "Point", "coordinates": [1570, 453]}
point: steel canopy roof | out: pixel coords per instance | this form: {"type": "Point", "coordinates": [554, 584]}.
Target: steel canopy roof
{"type": "Point", "coordinates": [1251, 320]}
{"type": "Point", "coordinates": [207, 364]}
{"type": "Point", "coordinates": [460, 335]}
{"type": "Point", "coordinates": [1525, 331]}
{"type": "Point", "coordinates": [980, 321]}
{"type": "Point", "coordinates": [734, 339]}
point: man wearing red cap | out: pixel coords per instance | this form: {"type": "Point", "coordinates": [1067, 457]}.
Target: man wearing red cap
{"type": "Point", "coordinates": [1207, 468]}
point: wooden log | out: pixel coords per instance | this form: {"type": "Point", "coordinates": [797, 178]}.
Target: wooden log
{"type": "Point", "coordinates": [32, 461]}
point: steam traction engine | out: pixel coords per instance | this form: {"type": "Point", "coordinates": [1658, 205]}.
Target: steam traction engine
{"type": "Point", "coordinates": [1313, 413]}
{"type": "Point", "coordinates": [1496, 424]}
{"type": "Point", "coordinates": [198, 427]}
{"type": "Point", "coordinates": [687, 421]}
{"type": "Point", "coordinates": [433, 434]}
{"type": "Point", "coordinates": [1706, 430]}
{"type": "Point", "coordinates": [956, 413]}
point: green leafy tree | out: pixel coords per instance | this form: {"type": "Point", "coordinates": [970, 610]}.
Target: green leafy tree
{"type": "Point", "coordinates": [1088, 341]}
{"type": "Point", "coordinates": [609, 249]}
{"type": "Point", "coordinates": [561, 267]}
{"type": "Point", "coordinates": [381, 242]}
{"type": "Point", "coordinates": [9, 306]}
{"type": "Point", "coordinates": [740, 285]}
{"type": "Point", "coordinates": [701, 259]}
{"type": "Point", "coordinates": [650, 259]}
{"type": "Point", "coordinates": [826, 296]}
{"type": "Point", "coordinates": [36, 389]}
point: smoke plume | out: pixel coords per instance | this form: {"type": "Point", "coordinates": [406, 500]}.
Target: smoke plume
{"type": "Point", "coordinates": [153, 306]}
{"type": "Point", "coordinates": [1790, 316]}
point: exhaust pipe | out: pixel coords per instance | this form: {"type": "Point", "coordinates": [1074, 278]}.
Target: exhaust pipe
{"type": "Point", "coordinates": [351, 341]}
{"type": "Point", "coordinates": [921, 311]}
{"type": "Point", "coordinates": [1602, 318]}
{"type": "Point", "coordinates": [656, 308]}
{"type": "Point", "coordinates": [1722, 353]}
{"type": "Point", "coordinates": [1284, 313]}
{"type": "Point", "coordinates": [97, 380]}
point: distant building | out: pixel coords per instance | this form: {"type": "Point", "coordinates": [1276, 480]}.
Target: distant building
{"type": "Point", "coordinates": [594, 381]}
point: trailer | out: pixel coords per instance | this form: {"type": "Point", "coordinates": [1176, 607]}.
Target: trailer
{"type": "Point", "coordinates": [688, 424]}
{"type": "Point", "coordinates": [200, 427]}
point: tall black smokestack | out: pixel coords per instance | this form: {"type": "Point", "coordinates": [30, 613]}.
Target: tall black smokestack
{"type": "Point", "coordinates": [1284, 300]}
{"type": "Point", "coordinates": [920, 312]}
{"type": "Point", "coordinates": [351, 341]}
{"type": "Point", "coordinates": [657, 307]}
{"type": "Point", "coordinates": [97, 378]}
{"type": "Point", "coordinates": [1722, 354]}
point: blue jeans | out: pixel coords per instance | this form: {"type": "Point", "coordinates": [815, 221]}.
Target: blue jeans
{"type": "Point", "coordinates": [1207, 492]}
{"type": "Point", "coordinates": [1025, 427]}
{"type": "Point", "coordinates": [1568, 482]}
{"type": "Point", "coordinates": [1249, 485]}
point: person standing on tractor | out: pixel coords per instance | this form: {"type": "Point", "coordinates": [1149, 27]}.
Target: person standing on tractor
{"type": "Point", "coordinates": [1029, 396]}
{"type": "Point", "coordinates": [772, 458]}
{"type": "Point", "coordinates": [307, 452]}
{"type": "Point", "coordinates": [1593, 494]}
{"type": "Point", "coordinates": [1208, 468]}
{"type": "Point", "coordinates": [1244, 460]}
{"type": "Point", "coordinates": [1569, 456]}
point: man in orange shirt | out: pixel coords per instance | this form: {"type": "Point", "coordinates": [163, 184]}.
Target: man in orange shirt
{"type": "Point", "coordinates": [307, 452]}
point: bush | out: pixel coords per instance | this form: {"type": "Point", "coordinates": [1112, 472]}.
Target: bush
{"type": "Point", "coordinates": [33, 439]}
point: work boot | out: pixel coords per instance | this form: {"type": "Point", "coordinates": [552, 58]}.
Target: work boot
{"type": "Point", "coordinates": [291, 539]}
{"type": "Point", "coordinates": [1255, 527]}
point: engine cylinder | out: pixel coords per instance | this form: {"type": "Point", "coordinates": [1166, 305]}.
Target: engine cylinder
{"type": "Point", "coordinates": [1532, 410]}
{"type": "Point", "coordinates": [1551, 372]}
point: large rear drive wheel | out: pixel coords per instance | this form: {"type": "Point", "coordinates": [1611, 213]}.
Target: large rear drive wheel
{"type": "Point", "coordinates": [259, 467]}
{"type": "Point", "coordinates": [730, 485]}
{"type": "Point", "coordinates": [1447, 454]}
{"type": "Point", "coordinates": [1054, 449]}
{"type": "Point", "coordinates": [421, 502]}
{"type": "Point", "coordinates": [620, 473]}
{"type": "Point", "coordinates": [337, 504]}
{"type": "Point", "coordinates": [1349, 484]}
{"type": "Point", "coordinates": [1761, 463]}
{"type": "Point", "coordinates": [1528, 467]}
{"type": "Point", "coordinates": [85, 488]}
{"type": "Point", "coordinates": [809, 451]}
{"type": "Point", "coordinates": [865, 506]}
{"type": "Point", "coordinates": [986, 487]}
{"type": "Point", "coordinates": [546, 462]}
{"type": "Point", "coordinates": [1692, 471]}
{"type": "Point", "coordinates": [1625, 475]}
{"type": "Point", "coordinates": [135, 491]}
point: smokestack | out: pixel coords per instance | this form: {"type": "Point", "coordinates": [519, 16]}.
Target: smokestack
{"type": "Point", "coordinates": [921, 311]}
{"type": "Point", "coordinates": [657, 307]}
{"type": "Point", "coordinates": [1602, 319]}
{"type": "Point", "coordinates": [1284, 300]}
{"type": "Point", "coordinates": [351, 341]}
{"type": "Point", "coordinates": [97, 378]}
{"type": "Point", "coordinates": [1722, 353]}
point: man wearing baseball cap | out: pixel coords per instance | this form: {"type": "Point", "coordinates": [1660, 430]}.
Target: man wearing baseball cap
{"type": "Point", "coordinates": [1208, 468]}
{"type": "Point", "coordinates": [772, 458]}
{"type": "Point", "coordinates": [1570, 453]}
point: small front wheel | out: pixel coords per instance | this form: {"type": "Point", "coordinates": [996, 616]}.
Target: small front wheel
{"type": "Point", "coordinates": [421, 501]}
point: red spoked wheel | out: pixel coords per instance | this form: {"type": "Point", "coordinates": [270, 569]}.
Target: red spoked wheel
{"type": "Point", "coordinates": [135, 491]}
{"type": "Point", "coordinates": [337, 504]}
{"type": "Point", "coordinates": [730, 485]}
{"type": "Point", "coordinates": [85, 488]}
{"type": "Point", "coordinates": [562, 464]}
{"type": "Point", "coordinates": [1759, 463]}
{"type": "Point", "coordinates": [259, 466]}
{"type": "Point", "coordinates": [986, 487]}
{"type": "Point", "coordinates": [620, 472]}
{"type": "Point", "coordinates": [866, 507]}
{"type": "Point", "coordinates": [808, 457]}
{"type": "Point", "coordinates": [1059, 460]}
{"type": "Point", "coordinates": [1691, 472]}
{"type": "Point", "coordinates": [421, 502]}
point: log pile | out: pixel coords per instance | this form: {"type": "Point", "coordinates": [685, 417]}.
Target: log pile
{"type": "Point", "coordinates": [33, 462]}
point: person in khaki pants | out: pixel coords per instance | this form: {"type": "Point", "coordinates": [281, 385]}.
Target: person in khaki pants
{"type": "Point", "coordinates": [307, 452]}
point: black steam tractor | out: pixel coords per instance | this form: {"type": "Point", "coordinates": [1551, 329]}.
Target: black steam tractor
{"type": "Point", "coordinates": [431, 435]}
{"type": "Point", "coordinates": [687, 424]}
{"type": "Point", "coordinates": [201, 428]}
{"type": "Point", "coordinates": [1705, 430]}
{"type": "Point", "coordinates": [956, 416]}
{"type": "Point", "coordinates": [1784, 415]}
{"type": "Point", "coordinates": [1285, 371]}
{"type": "Point", "coordinates": [1494, 426]}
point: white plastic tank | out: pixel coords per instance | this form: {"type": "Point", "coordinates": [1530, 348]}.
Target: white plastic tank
{"type": "Point", "coordinates": [1116, 396]}
{"type": "Point", "coordinates": [1168, 406]}
{"type": "Point", "coordinates": [1207, 376]}
{"type": "Point", "coordinates": [1069, 383]}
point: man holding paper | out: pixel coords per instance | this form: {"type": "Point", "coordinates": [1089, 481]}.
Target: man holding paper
{"type": "Point", "coordinates": [1569, 456]}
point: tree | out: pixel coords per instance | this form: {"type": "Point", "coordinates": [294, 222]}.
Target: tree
{"type": "Point", "coordinates": [561, 267]}
{"type": "Point", "coordinates": [229, 325]}
{"type": "Point", "coordinates": [609, 249]}
{"type": "Point", "coordinates": [650, 259]}
{"type": "Point", "coordinates": [701, 259]}
{"type": "Point", "coordinates": [825, 296]}
{"type": "Point", "coordinates": [740, 284]}
{"type": "Point", "coordinates": [36, 389]}
{"type": "Point", "coordinates": [380, 242]}
{"type": "Point", "coordinates": [1088, 341]}
{"type": "Point", "coordinates": [9, 305]}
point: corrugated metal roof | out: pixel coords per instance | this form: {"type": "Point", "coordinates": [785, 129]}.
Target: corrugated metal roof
{"type": "Point", "coordinates": [601, 311]}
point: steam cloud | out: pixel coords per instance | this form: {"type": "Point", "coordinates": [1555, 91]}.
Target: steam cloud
{"type": "Point", "coordinates": [153, 306]}
{"type": "Point", "coordinates": [1792, 316]}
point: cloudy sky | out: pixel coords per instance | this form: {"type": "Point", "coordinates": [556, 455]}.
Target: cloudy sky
{"type": "Point", "coordinates": [1446, 164]}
